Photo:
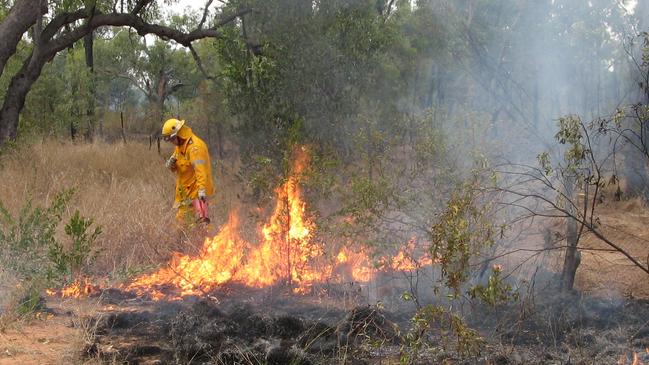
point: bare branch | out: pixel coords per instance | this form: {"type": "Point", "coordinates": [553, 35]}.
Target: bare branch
{"type": "Point", "coordinates": [199, 63]}
{"type": "Point", "coordinates": [132, 79]}
{"type": "Point", "coordinates": [205, 11]}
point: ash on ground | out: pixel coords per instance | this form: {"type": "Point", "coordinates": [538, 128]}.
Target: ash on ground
{"type": "Point", "coordinates": [239, 331]}
{"type": "Point", "coordinates": [271, 328]}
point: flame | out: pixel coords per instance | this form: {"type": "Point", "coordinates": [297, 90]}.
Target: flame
{"type": "Point", "coordinates": [287, 250]}
{"type": "Point", "coordinates": [636, 359]}
{"type": "Point", "coordinates": [216, 264]}
{"type": "Point", "coordinates": [357, 263]}
{"type": "Point", "coordinates": [407, 259]}
{"type": "Point", "coordinates": [287, 255]}
{"type": "Point", "coordinates": [80, 287]}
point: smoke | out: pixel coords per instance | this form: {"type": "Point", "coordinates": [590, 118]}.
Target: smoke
{"type": "Point", "coordinates": [502, 77]}
{"type": "Point", "coordinates": [517, 67]}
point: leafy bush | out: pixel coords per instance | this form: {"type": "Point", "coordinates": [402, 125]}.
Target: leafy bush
{"type": "Point", "coordinates": [80, 255]}
{"type": "Point", "coordinates": [437, 321]}
{"type": "Point", "coordinates": [496, 292]}
{"type": "Point", "coordinates": [30, 251]}
{"type": "Point", "coordinates": [26, 239]}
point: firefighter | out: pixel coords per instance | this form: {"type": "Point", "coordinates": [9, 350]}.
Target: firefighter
{"type": "Point", "coordinates": [191, 163]}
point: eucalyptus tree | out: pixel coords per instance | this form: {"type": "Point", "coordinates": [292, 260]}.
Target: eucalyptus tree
{"type": "Point", "coordinates": [56, 25]}
{"type": "Point", "coordinates": [156, 69]}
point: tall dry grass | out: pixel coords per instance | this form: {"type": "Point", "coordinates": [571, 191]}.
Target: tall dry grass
{"type": "Point", "coordinates": [124, 188]}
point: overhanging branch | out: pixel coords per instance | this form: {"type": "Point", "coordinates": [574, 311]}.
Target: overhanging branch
{"type": "Point", "coordinates": [134, 21]}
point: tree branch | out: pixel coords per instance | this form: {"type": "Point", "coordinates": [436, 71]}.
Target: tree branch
{"type": "Point", "coordinates": [139, 6]}
{"type": "Point", "coordinates": [143, 28]}
{"type": "Point", "coordinates": [173, 89]}
{"type": "Point", "coordinates": [205, 11]}
{"type": "Point", "coordinates": [199, 63]}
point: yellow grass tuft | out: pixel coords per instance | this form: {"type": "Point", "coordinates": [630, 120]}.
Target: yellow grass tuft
{"type": "Point", "coordinates": [124, 188]}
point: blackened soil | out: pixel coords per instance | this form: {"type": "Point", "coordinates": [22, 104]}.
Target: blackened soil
{"type": "Point", "coordinates": [241, 331]}
{"type": "Point", "coordinates": [259, 328]}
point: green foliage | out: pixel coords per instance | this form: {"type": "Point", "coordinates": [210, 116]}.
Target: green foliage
{"type": "Point", "coordinates": [263, 178]}
{"type": "Point", "coordinates": [24, 243]}
{"type": "Point", "coordinates": [446, 325]}
{"type": "Point", "coordinates": [545, 163]}
{"type": "Point", "coordinates": [463, 230]}
{"type": "Point", "coordinates": [73, 260]}
{"type": "Point", "coordinates": [371, 199]}
{"type": "Point", "coordinates": [300, 65]}
{"type": "Point", "coordinates": [60, 98]}
{"type": "Point", "coordinates": [26, 239]}
{"type": "Point", "coordinates": [31, 252]}
{"type": "Point", "coordinates": [30, 302]}
{"type": "Point", "coordinates": [570, 134]}
{"type": "Point", "coordinates": [497, 292]}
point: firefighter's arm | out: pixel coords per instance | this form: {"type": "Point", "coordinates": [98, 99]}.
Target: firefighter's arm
{"type": "Point", "coordinates": [198, 159]}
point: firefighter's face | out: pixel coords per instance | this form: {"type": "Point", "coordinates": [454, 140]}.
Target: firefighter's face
{"type": "Point", "coordinates": [173, 140]}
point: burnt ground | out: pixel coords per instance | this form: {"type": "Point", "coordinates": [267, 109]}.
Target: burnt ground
{"type": "Point", "coordinates": [557, 328]}
{"type": "Point", "coordinates": [263, 327]}
{"type": "Point", "coordinates": [251, 327]}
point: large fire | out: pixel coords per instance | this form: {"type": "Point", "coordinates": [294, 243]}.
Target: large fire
{"type": "Point", "coordinates": [287, 255]}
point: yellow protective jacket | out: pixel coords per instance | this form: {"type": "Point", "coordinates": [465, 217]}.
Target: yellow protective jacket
{"type": "Point", "coordinates": [193, 169]}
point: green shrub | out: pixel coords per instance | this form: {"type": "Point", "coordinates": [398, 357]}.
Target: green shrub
{"type": "Point", "coordinates": [497, 292]}
{"type": "Point", "coordinates": [26, 239]}
{"type": "Point", "coordinates": [31, 253]}
{"type": "Point", "coordinates": [79, 256]}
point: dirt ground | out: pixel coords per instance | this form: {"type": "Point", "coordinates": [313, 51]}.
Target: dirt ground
{"type": "Point", "coordinates": [610, 274]}
{"type": "Point", "coordinates": [49, 339]}
{"type": "Point", "coordinates": [56, 336]}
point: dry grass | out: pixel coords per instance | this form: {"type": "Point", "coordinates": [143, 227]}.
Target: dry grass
{"type": "Point", "coordinates": [125, 188]}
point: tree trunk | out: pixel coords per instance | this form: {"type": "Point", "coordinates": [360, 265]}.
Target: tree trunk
{"type": "Point", "coordinates": [20, 85]}
{"type": "Point", "coordinates": [88, 42]}
{"type": "Point", "coordinates": [21, 17]}
{"type": "Point", "coordinates": [573, 256]}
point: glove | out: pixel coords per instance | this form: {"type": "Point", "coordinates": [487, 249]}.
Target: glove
{"type": "Point", "coordinates": [171, 163]}
{"type": "Point", "coordinates": [201, 194]}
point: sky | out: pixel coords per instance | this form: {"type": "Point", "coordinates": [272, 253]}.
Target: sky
{"type": "Point", "coordinates": [196, 4]}
{"type": "Point", "coordinates": [182, 4]}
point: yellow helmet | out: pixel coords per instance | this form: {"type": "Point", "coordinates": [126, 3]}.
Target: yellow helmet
{"type": "Point", "coordinates": [171, 127]}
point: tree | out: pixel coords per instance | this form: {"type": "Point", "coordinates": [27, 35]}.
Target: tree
{"type": "Point", "coordinates": [158, 70]}
{"type": "Point", "coordinates": [69, 23]}
{"type": "Point", "coordinates": [568, 190]}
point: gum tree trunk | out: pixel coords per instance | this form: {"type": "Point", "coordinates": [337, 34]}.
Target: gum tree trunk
{"type": "Point", "coordinates": [20, 85]}
{"type": "Point", "coordinates": [21, 17]}
{"type": "Point", "coordinates": [572, 258]}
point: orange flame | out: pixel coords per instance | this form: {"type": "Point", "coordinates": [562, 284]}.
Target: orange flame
{"type": "Point", "coordinates": [287, 254]}
{"type": "Point", "coordinates": [357, 263]}
{"type": "Point", "coordinates": [636, 359]}
{"type": "Point", "coordinates": [216, 264]}
{"type": "Point", "coordinates": [80, 287]}
{"type": "Point", "coordinates": [287, 250]}
{"type": "Point", "coordinates": [407, 258]}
